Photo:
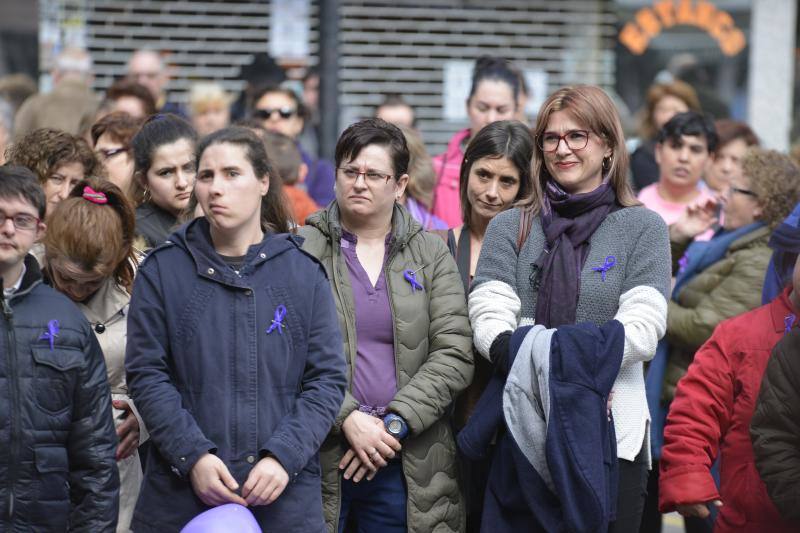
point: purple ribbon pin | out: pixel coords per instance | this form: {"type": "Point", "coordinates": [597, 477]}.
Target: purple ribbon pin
{"type": "Point", "coordinates": [788, 322]}
{"type": "Point", "coordinates": [683, 262]}
{"type": "Point", "coordinates": [411, 277]}
{"type": "Point", "coordinates": [277, 320]}
{"type": "Point", "coordinates": [610, 262]}
{"type": "Point", "coordinates": [51, 333]}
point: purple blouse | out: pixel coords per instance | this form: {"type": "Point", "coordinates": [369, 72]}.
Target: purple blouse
{"type": "Point", "coordinates": [374, 374]}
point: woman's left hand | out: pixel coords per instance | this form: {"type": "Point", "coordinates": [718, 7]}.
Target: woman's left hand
{"type": "Point", "coordinates": [127, 431]}
{"type": "Point", "coordinates": [356, 470]}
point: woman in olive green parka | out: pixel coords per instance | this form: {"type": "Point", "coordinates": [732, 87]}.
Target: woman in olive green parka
{"type": "Point", "coordinates": [365, 235]}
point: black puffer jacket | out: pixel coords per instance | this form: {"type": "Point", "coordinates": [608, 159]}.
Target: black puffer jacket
{"type": "Point", "coordinates": [775, 427]}
{"type": "Point", "coordinates": [57, 439]}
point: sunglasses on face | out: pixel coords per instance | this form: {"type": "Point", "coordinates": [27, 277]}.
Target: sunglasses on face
{"type": "Point", "coordinates": [266, 113]}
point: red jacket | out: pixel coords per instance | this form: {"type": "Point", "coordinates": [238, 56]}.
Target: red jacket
{"type": "Point", "coordinates": [711, 414]}
{"type": "Point", "coordinates": [447, 198]}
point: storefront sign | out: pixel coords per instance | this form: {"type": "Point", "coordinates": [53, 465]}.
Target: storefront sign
{"type": "Point", "coordinates": [651, 21]}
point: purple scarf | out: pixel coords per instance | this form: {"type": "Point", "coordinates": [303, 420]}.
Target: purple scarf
{"type": "Point", "coordinates": [568, 221]}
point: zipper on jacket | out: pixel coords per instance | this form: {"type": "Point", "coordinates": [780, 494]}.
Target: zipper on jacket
{"type": "Point", "coordinates": [13, 377]}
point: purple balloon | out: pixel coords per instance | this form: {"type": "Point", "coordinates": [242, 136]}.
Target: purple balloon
{"type": "Point", "coordinates": [224, 519]}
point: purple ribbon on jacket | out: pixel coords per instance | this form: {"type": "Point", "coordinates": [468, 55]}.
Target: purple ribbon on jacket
{"type": "Point", "coordinates": [682, 263]}
{"type": "Point", "coordinates": [277, 320]}
{"type": "Point", "coordinates": [411, 277]}
{"type": "Point", "coordinates": [51, 333]}
{"type": "Point", "coordinates": [788, 322]}
{"type": "Point", "coordinates": [605, 267]}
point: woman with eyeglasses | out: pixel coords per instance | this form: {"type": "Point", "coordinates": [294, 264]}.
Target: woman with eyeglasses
{"type": "Point", "coordinates": [493, 96]}
{"type": "Point", "coordinates": [389, 463]}
{"type": "Point", "coordinates": [164, 165]}
{"type": "Point", "coordinates": [579, 250]}
{"type": "Point", "coordinates": [111, 136]}
{"type": "Point", "coordinates": [89, 257]}
{"type": "Point", "coordinates": [281, 110]}
{"type": "Point", "coordinates": [234, 356]}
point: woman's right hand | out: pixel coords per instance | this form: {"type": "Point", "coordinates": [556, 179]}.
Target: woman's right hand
{"type": "Point", "coordinates": [369, 440]}
{"type": "Point", "coordinates": [695, 220]}
{"type": "Point", "coordinates": [213, 482]}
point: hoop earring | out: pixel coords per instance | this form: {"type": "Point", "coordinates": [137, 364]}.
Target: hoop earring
{"type": "Point", "coordinates": [146, 196]}
{"type": "Point", "coordinates": [606, 163]}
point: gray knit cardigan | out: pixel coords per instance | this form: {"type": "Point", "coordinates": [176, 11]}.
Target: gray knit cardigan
{"type": "Point", "coordinates": [634, 291]}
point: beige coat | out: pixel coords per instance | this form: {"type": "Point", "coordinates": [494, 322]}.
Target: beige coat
{"type": "Point", "coordinates": [109, 307]}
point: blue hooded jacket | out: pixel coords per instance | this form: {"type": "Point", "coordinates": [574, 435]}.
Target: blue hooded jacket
{"type": "Point", "coordinates": [210, 371]}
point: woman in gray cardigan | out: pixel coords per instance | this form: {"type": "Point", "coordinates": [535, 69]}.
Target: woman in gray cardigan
{"type": "Point", "coordinates": [586, 252]}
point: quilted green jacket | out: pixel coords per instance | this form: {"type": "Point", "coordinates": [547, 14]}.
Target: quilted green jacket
{"type": "Point", "coordinates": [729, 287]}
{"type": "Point", "coordinates": [433, 355]}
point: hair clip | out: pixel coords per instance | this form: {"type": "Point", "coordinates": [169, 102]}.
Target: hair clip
{"type": "Point", "coordinates": [95, 197]}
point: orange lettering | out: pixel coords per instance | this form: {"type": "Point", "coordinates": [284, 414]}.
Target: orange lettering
{"type": "Point", "coordinates": [705, 15]}
{"type": "Point", "coordinates": [733, 42]}
{"type": "Point", "coordinates": [685, 12]}
{"type": "Point", "coordinates": [666, 11]}
{"type": "Point", "coordinates": [721, 24]}
{"type": "Point", "coordinates": [648, 22]}
{"type": "Point", "coordinates": [633, 38]}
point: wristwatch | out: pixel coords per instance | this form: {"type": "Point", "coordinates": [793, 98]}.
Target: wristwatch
{"type": "Point", "coordinates": [395, 426]}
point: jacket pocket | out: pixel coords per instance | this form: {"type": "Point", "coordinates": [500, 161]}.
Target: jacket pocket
{"type": "Point", "coordinates": [52, 464]}
{"type": "Point", "coordinates": [55, 376]}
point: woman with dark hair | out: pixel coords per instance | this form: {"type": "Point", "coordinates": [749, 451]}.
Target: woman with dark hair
{"type": "Point", "coordinates": [281, 110]}
{"type": "Point", "coordinates": [89, 257]}
{"type": "Point", "coordinates": [164, 165]}
{"type": "Point", "coordinates": [407, 343]}
{"type": "Point", "coordinates": [579, 250]}
{"type": "Point", "coordinates": [493, 96]}
{"type": "Point", "coordinates": [234, 356]}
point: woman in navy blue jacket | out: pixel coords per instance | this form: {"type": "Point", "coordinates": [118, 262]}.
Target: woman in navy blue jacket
{"type": "Point", "coordinates": [234, 353]}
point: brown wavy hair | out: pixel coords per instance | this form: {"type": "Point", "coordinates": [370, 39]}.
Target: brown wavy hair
{"type": "Point", "coordinates": [775, 179]}
{"type": "Point", "coordinates": [46, 149]}
{"type": "Point", "coordinates": [98, 238]}
{"type": "Point", "coordinates": [591, 107]}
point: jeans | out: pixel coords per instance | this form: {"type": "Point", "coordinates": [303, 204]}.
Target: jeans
{"type": "Point", "coordinates": [377, 506]}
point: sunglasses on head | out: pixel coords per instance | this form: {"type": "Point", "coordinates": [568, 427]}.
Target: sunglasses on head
{"type": "Point", "coordinates": [266, 113]}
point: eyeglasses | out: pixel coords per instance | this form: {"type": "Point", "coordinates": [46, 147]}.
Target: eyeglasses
{"type": "Point", "coordinates": [746, 192]}
{"type": "Point", "coordinates": [105, 155]}
{"type": "Point", "coordinates": [352, 174]}
{"type": "Point", "coordinates": [266, 113]}
{"type": "Point", "coordinates": [21, 221]}
{"type": "Point", "coordinates": [575, 140]}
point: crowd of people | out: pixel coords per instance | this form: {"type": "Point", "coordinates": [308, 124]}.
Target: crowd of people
{"type": "Point", "coordinates": [535, 330]}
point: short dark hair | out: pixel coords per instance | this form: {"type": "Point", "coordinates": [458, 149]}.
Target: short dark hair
{"type": "Point", "coordinates": [269, 89]}
{"type": "Point", "coordinates": [374, 131]}
{"type": "Point", "coordinates": [125, 87]}
{"type": "Point", "coordinates": [157, 131]}
{"type": "Point", "coordinates": [505, 138]}
{"type": "Point", "coordinates": [21, 182]}
{"type": "Point", "coordinates": [692, 124]}
{"type": "Point", "coordinates": [495, 68]}
{"type": "Point", "coordinates": [285, 156]}
{"type": "Point", "coordinates": [274, 212]}
{"type": "Point", "coordinates": [729, 130]}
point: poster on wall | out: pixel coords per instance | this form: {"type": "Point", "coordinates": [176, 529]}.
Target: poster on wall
{"type": "Point", "coordinates": [290, 29]}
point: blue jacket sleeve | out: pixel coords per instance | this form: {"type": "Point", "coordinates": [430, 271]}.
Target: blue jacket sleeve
{"type": "Point", "coordinates": [300, 433]}
{"type": "Point", "coordinates": [173, 429]}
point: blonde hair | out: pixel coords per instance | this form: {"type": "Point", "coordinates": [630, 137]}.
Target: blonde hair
{"type": "Point", "coordinates": [591, 107]}
{"type": "Point", "coordinates": [421, 175]}
{"type": "Point", "coordinates": [680, 90]}
{"type": "Point", "coordinates": [206, 95]}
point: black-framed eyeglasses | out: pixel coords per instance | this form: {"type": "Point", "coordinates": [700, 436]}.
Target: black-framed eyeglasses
{"type": "Point", "coordinates": [575, 140]}
{"type": "Point", "coordinates": [370, 176]}
{"type": "Point", "coordinates": [105, 155]}
{"type": "Point", "coordinates": [266, 113]}
{"type": "Point", "coordinates": [21, 221]}
{"type": "Point", "coordinates": [746, 192]}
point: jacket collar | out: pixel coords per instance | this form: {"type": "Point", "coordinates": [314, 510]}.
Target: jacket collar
{"type": "Point", "coordinates": [780, 308]}
{"type": "Point", "coordinates": [195, 238]}
{"type": "Point", "coordinates": [404, 227]}
{"type": "Point", "coordinates": [758, 233]}
{"type": "Point", "coordinates": [109, 300]}
{"type": "Point", "coordinates": [454, 151]}
{"type": "Point", "coordinates": [31, 278]}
